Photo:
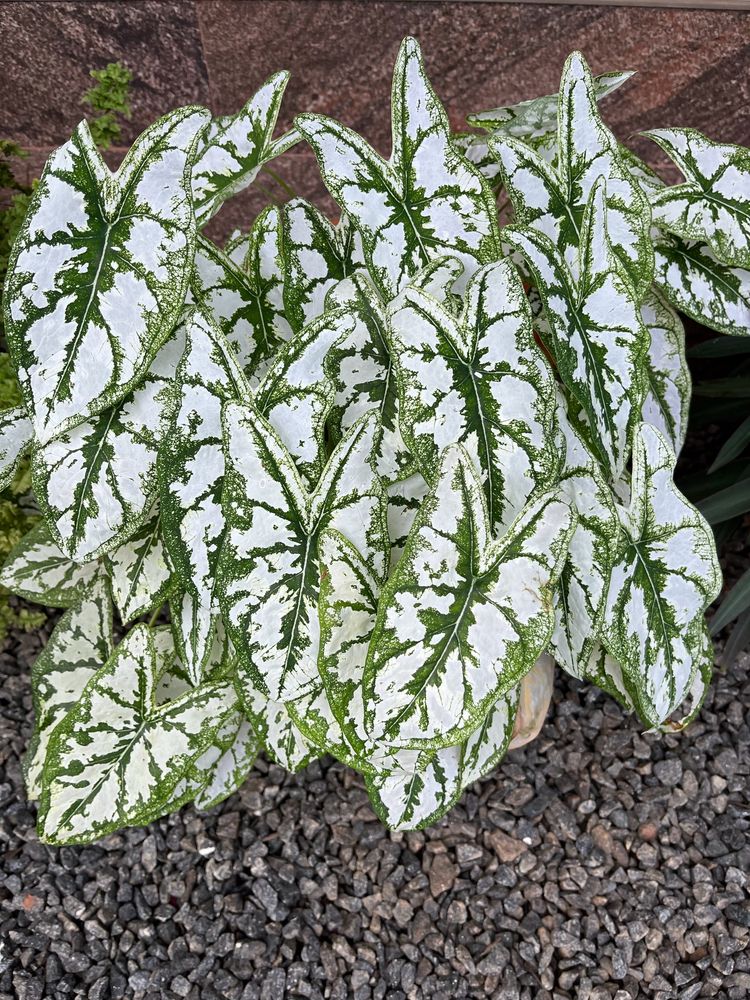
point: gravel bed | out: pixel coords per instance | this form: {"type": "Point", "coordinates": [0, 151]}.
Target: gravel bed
{"type": "Point", "coordinates": [596, 862]}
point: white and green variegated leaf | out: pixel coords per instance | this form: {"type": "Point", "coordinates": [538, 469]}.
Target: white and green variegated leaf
{"type": "Point", "coordinates": [190, 470]}
{"type": "Point", "coordinates": [117, 756]}
{"type": "Point", "coordinates": [425, 202]}
{"type": "Point", "coordinates": [480, 380]}
{"type": "Point", "coordinates": [603, 670]}
{"type": "Point", "coordinates": [404, 499]}
{"type": "Point", "coordinates": [582, 592]}
{"type": "Point", "coordinates": [238, 747]}
{"type": "Point", "coordinates": [713, 205]}
{"type": "Point", "coordinates": [455, 631]}
{"type": "Point", "coordinates": [664, 580]}
{"type": "Point", "coordinates": [37, 570]}
{"type": "Point", "coordinates": [597, 337]}
{"type": "Point", "coordinates": [317, 255]}
{"type": "Point", "coordinates": [667, 401]}
{"type": "Point", "coordinates": [245, 299]}
{"type": "Point", "coordinates": [296, 395]}
{"type": "Point", "coordinates": [269, 567]}
{"type": "Point", "coordinates": [362, 372]}
{"type": "Point", "coordinates": [79, 645]}
{"type": "Point", "coordinates": [16, 438]}
{"type": "Point", "coordinates": [552, 198]}
{"type": "Point", "coordinates": [275, 727]}
{"type": "Point", "coordinates": [96, 483]}
{"type": "Point", "coordinates": [140, 572]}
{"type": "Point", "coordinates": [99, 271]}
{"type": "Point", "coordinates": [537, 118]}
{"type": "Point", "coordinates": [423, 786]}
{"type": "Point", "coordinates": [237, 147]}
{"type": "Point", "coordinates": [696, 283]}
{"type": "Point", "coordinates": [236, 247]}
{"type": "Point", "coordinates": [199, 637]}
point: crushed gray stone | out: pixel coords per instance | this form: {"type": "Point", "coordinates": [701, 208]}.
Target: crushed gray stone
{"type": "Point", "coordinates": [597, 862]}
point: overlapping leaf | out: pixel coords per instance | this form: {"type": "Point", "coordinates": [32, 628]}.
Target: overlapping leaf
{"type": "Point", "coordinates": [238, 747]}
{"type": "Point", "coordinates": [696, 283]}
{"type": "Point", "coordinates": [99, 271]}
{"type": "Point", "coordinates": [552, 199]}
{"type": "Point", "coordinates": [425, 202]}
{"type": "Point", "coordinates": [454, 629]}
{"type": "Point", "coordinates": [117, 756]}
{"type": "Point", "coordinates": [713, 205]}
{"type": "Point", "coordinates": [140, 572]}
{"type": "Point", "coordinates": [39, 571]}
{"type": "Point", "coordinates": [96, 483]}
{"type": "Point", "coordinates": [404, 499]}
{"type": "Point", "coordinates": [16, 437]}
{"type": "Point", "coordinates": [597, 336]}
{"type": "Point", "coordinates": [479, 380]}
{"type": "Point", "coordinates": [190, 470]}
{"type": "Point", "coordinates": [237, 147]}
{"type": "Point", "coordinates": [268, 571]}
{"type": "Point", "coordinates": [317, 254]}
{"type": "Point", "coordinates": [80, 644]}
{"type": "Point", "coordinates": [582, 591]}
{"type": "Point", "coordinates": [245, 299]}
{"type": "Point", "coordinates": [665, 578]}
{"type": "Point", "coordinates": [667, 401]}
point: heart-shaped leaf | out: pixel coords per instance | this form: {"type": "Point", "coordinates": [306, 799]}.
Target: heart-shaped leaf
{"type": "Point", "coordinates": [96, 483]}
{"type": "Point", "coordinates": [317, 254]}
{"type": "Point", "coordinates": [664, 580]}
{"type": "Point", "coordinates": [37, 570]}
{"type": "Point", "coordinates": [117, 756]}
{"type": "Point", "coordinates": [552, 199]}
{"type": "Point", "coordinates": [237, 147]}
{"type": "Point", "coordinates": [268, 570]}
{"type": "Point", "coordinates": [479, 380]}
{"type": "Point", "coordinates": [77, 648]}
{"type": "Point", "coordinates": [140, 571]}
{"type": "Point", "coordinates": [425, 202]}
{"type": "Point", "coordinates": [713, 205]}
{"type": "Point", "coordinates": [696, 283]}
{"type": "Point", "coordinates": [455, 631]}
{"type": "Point", "coordinates": [99, 271]}
{"type": "Point", "coordinates": [597, 336]}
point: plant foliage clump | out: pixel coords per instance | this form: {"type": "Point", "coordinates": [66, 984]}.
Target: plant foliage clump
{"type": "Point", "coordinates": [374, 470]}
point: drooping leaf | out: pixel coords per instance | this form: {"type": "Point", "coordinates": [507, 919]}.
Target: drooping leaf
{"type": "Point", "coordinates": [37, 570]}
{"type": "Point", "coordinates": [597, 336]}
{"type": "Point", "coordinates": [696, 283]}
{"type": "Point", "coordinates": [667, 401]}
{"type": "Point", "coordinates": [16, 438]}
{"type": "Point", "coordinates": [479, 380]}
{"type": "Point", "coordinates": [666, 577]}
{"type": "Point", "coordinates": [117, 756]}
{"type": "Point", "coordinates": [425, 202]}
{"type": "Point", "coordinates": [275, 727]}
{"type": "Point", "coordinates": [713, 205]}
{"type": "Point", "coordinates": [454, 629]}
{"type": "Point", "coordinates": [552, 199]}
{"type": "Point", "coordinates": [268, 570]}
{"type": "Point", "coordinates": [96, 483]}
{"type": "Point", "coordinates": [99, 271]}
{"type": "Point", "coordinates": [80, 644]}
{"type": "Point", "coordinates": [317, 254]}
{"type": "Point", "coordinates": [140, 571]}
{"type": "Point", "coordinates": [237, 147]}
{"type": "Point", "coordinates": [404, 499]}
{"type": "Point", "coordinates": [581, 595]}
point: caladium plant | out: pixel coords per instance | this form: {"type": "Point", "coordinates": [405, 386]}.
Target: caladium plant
{"type": "Point", "coordinates": [350, 487]}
